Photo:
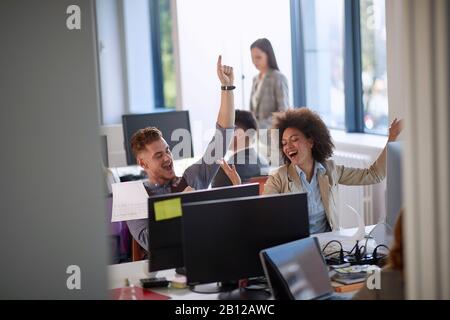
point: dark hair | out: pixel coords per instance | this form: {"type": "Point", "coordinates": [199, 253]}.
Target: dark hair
{"type": "Point", "coordinates": [144, 137]}
{"type": "Point", "coordinates": [245, 120]}
{"type": "Point", "coordinates": [265, 46]}
{"type": "Point", "coordinates": [311, 125]}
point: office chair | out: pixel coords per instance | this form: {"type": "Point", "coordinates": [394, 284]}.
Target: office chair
{"type": "Point", "coordinates": [137, 252]}
{"type": "Point", "coordinates": [259, 179]}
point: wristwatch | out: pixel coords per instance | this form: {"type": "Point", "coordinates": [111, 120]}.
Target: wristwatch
{"type": "Point", "coordinates": [227, 87]}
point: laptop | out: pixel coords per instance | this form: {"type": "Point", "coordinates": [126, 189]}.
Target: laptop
{"type": "Point", "coordinates": [297, 271]}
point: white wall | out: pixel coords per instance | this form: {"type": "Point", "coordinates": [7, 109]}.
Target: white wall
{"type": "Point", "coordinates": [207, 28]}
{"type": "Point", "coordinates": [393, 55]}
{"type": "Point", "coordinates": [116, 149]}
{"type": "Point", "coordinates": [371, 145]}
{"type": "Point", "coordinates": [52, 203]}
{"type": "Point", "coordinates": [111, 60]}
{"type": "Point", "coordinates": [138, 56]}
{"type": "Point", "coordinates": [126, 72]}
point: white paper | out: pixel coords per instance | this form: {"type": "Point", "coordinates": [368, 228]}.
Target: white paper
{"type": "Point", "coordinates": [129, 201]}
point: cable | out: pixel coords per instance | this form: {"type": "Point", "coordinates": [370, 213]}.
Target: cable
{"type": "Point", "coordinates": [334, 252]}
{"type": "Point", "coordinates": [341, 251]}
{"type": "Point", "coordinates": [382, 245]}
{"type": "Point", "coordinates": [354, 247]}
{"type": "Point", "coordinates": [357, 255]}
{"type": "Point", "coordinates": [375, 256]}
{"type": "Point", "coordinates": [330, 254]}
{"type": "Point", "coordinates": [365, 245]}
{"type": "Point", "coordinates": [329, 242]}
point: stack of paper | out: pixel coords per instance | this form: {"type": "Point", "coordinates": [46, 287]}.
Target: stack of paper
{"type": "Point", "coordinates": [129, 201]}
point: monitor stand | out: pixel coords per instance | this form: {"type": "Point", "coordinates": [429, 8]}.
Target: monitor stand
{"type": "Point", "coordinates": [215, 287]}
{"type": "Point", "coordinates": [245, 294]}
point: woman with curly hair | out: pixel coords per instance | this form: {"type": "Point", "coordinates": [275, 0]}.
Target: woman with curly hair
{"type": "Point", "coordinates": [306, 145]}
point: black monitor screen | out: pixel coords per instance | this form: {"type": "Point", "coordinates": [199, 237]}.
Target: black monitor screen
{"type": "Point", "coordinates": [167, 123]}
{"type": "Point", "coordinates": [222, 239]}
{"type": "Point", "coordinates": [165, 243]}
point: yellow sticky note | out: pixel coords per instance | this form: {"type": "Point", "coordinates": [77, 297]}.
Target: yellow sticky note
{"type": "Point", "coordinates": [167, 209]}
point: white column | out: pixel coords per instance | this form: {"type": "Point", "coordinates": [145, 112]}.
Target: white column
{"type": "Point", "coordinates": [138, 54]}
{"type": "Point", "coordinates": [112, 61]}
{"type": "Point", "coordinates": [421, 90]}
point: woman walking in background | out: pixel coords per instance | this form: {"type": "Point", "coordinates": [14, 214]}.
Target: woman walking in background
{"type": "Point", "coordinates": [269, 90]}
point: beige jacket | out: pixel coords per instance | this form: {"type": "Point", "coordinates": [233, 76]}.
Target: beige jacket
{"type": "Point", "coordinates": [273, 97]}
{"type": "Point", "coordinates": [286, 180]}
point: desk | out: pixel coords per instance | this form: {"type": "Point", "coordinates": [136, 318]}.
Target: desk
{"type": "Point", "coordinates": [134, 271]}
{"type": "Point", "coordinates": [343, 237]}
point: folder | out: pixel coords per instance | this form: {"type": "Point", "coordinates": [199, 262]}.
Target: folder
{"type": "Point", "coordinates": [136, 293]}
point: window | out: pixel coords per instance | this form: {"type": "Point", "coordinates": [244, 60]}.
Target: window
{"type": "Point", "coordinates": [207, 28]}
{"type": "Point", "coordinates": [163, 54]}
{"type": "Point", "coordinates": [324, 59]}
{"type": "Point", "coordinates": [136, 57]}
{"type": "Point", "coordinates": [167, 58]}
{"type": "Point", "coordinates": [374, 73]}
{"type": "Point", "coordinates": [339, 55]}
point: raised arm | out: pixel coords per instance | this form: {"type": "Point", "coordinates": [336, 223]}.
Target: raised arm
{"type": "Point", "coordinates": [200, 174]}
{"type": "Point", "coordinates": [377, 171]}
{"type": "Point", "coordinates": [225, 119]}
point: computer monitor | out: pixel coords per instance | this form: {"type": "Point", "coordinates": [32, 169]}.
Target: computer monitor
{"type": "Point", "coordinates": [222, 239]}
{"type": "Point", "coordinates": [165, 242]}
{"type": "Point", "coordinates": [394, 192]}
{"type": "Point", "coordinates": [166, 122]}
{"type": "Point", "coordinates": [297, 270]}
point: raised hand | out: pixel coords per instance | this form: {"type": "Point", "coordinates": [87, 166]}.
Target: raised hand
{"type": "Point", "coordinates": [395, 129]}
{"type": "Point", "coordinates": [225, 73]}
{"type": "Point", "coordinates": [231, 172]}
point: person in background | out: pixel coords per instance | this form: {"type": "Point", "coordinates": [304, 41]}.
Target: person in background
{"type": "Point", "coordinates": [269, 94]}
{"type": "Point", "coordinates": [392, 283]}
{"type": "Point", "coordinates": [269, 89]}
{"type": "Point", "coordinates": [154, 156]}
{"type": "Point", "coordinates": [245, 159]}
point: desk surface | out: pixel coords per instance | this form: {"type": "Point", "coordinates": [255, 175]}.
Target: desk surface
{"type": "Point", "coordinates": [134, 271]}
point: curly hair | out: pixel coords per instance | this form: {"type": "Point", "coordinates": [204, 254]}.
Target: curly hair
{"type": "Point", "coordinates": [144, 137]}
{"type": "Point", "coordinates": [311, 125]}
